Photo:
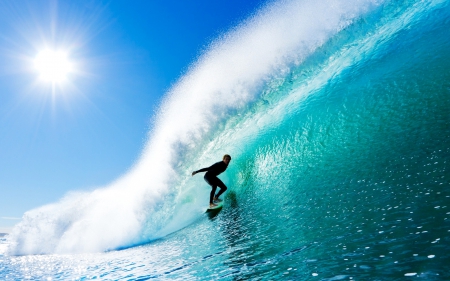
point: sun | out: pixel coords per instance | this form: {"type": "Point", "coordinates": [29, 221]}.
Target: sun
{"type": "Point", "coordinates": [53, 66]}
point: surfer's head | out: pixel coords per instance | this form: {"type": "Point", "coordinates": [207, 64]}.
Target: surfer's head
{"type": "Point", "coordinates": [226, 158]}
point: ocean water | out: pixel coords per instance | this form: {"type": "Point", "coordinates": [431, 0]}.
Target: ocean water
{"type": "Point", "coordinates": [337, 117]}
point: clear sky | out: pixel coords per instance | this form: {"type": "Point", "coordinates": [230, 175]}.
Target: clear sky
{"type": "Point", "coordinates": [84, 125]}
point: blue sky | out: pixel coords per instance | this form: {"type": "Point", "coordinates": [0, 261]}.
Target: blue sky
{"type": "Point", "coordinates": [88, 131]}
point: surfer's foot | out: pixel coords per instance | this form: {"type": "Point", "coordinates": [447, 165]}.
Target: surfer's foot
{"type": "Point", "coordinates": [217, 199]}
{"type": "Point", "coordinates": [211, 205]}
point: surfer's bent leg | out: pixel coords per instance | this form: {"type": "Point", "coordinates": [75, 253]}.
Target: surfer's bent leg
{"type": "Point", "coordinates": [222, 186]}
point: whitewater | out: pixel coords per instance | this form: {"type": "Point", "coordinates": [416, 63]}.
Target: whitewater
{"type": "Point", "coordinates": [336, 115]}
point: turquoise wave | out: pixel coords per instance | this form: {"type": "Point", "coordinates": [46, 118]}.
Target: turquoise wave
{"type": "Point", "coordinates": [339, 141]}
{"type": "Point", "coordinates": [341, 167]}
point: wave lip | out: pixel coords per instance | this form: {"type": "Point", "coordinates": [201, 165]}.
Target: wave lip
{"type": "Point", "coordinates": [138, 207]}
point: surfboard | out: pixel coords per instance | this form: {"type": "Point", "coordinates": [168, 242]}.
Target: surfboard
{"type": "Point", "coordinates": [216, 208]}
{"type": "Point", "coordinates": [214, 211]}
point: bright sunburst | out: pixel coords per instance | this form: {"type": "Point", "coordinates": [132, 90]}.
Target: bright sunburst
{"type": "Point", "coordinates": [53, 66]}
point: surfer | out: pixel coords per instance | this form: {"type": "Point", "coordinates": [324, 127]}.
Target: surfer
{"type": "Point", "coordinates": [212, 179]}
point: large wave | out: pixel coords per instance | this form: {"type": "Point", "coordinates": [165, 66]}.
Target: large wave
{"type": "Point", "coordinates": [192, 129]}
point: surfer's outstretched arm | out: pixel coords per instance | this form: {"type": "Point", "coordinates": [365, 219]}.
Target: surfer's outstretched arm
{"type": "Point", "coordinates": [201, 170]}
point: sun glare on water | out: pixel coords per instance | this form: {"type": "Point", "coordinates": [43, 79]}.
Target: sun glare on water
{"type": "Point", "coordinates": [53, 66]}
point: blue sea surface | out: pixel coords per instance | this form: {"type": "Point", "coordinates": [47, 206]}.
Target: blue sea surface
{"type": "Point", "coordinates": [340, 171]}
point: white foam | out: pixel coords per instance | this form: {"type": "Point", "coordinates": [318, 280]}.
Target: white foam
{"type": "Point", "coordinates": [140, 205]}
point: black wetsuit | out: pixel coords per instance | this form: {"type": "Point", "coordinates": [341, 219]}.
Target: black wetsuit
{"type": "Point", "coordinates": [212, 179]}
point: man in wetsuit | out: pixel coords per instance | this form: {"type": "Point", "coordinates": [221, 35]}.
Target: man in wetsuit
{"type": "Point", "coordinates": [212, 179]}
